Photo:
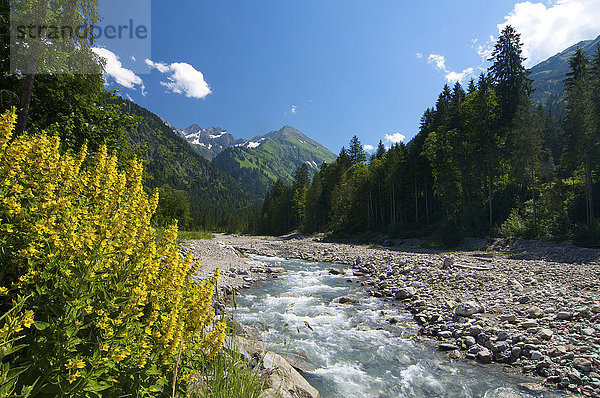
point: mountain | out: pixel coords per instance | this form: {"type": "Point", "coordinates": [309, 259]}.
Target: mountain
{"type": "Point", "coordinates": [259, 162]}
{"type": "Point", "coordinates": [548, 76]}
{"type": "Point", "coordinates": [169, 160]}
{"type": "Point", "coordinates": [210, 141]}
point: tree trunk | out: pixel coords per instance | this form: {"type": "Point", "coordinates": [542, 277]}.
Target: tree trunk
{"type": "Point", "coordinates": [589, 187]}
{"type": "Point", "coordinates": [533, 199]}
{"type": "Point", "coordinates": [426, 203]}
{"type": "Point", "coordinates": [416, 202]}
{"type": "Point", "coordinates": [490, 200]}
{"type": "Point", "coordinates": [32, 63]}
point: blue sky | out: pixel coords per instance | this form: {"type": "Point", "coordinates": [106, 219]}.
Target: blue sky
{"type": "Point", "coordinates": [332, 68]}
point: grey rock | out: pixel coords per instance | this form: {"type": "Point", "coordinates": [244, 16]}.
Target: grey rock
{"type": "Point", "coordinates": [582, 364]}
{"type": "Point", "coordinates": [348, 300]}
{"type": "Point", "coordinates": [447, 347]}
{"type": "Point", "coordinates": [404, 293]}
{"type": "Point", "coordinates": [475, 330]}
{"type": "Point", "coordinates": [508, 317]}
{"type": "Point", "coordinates": [564, 315]}
{"type": "Point", "coordinates": [485, 355]}
{"type": "Point", "coordinates": [336, 271]}
{"type": "Point", "coordinates": [535, 312]}
{"type": "Point", "coordinates": [528, 324]}
{"type": "Point", "coordinates": [468, 308]}
{"type": "Point", "coordinates": [515, 352]}
{"type": "Point", "coordinates": [536, 355]}
{"type": "Point", "coordinates": [545, 334]}
{"type": "Point", "coordinates": [469, 341]}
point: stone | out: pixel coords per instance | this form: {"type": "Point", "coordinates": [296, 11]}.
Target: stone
{"type": "Point", "coordinates": [448, 262]}
{"type": "Point", "coordinates": [284, 379]}
{"type": "Point", "coordinates": [536, 355]}
{"type": "Point", "coordinates": [588, 331]}
{"type": "Point", "coordinates": [508, 317]}
{"type": "Point", "coordinates": [446, 334]}
{"type": "Point", "coordinates": [545, 334]}
{"type": "Point", "coordinates": [447, 347]}
{"type": "Point", "coordinates": [535, 312]}
{"type": "Point", "coordinates": [485, 355]}
{"type": "Point", "coordinates": [564, 315]}
{"type": "Point", "coordinates": [405, 292]}
{"type": "Point", "coordinates": [469, 341]}
{"type": "Point", "coordinates": [528, 324]}
{"type": "Point", "coordinates": [515, 352]}
{"type": "Point", "coordinates": [475, 330]}
{"type": "Point", "coordinates": [524, 299]}
{"type": "Point", "coordinates": [468, 308]}
{"type": "Point", "coordinates": [336, 271]}
{"type": "Point", "coordinates": [455, 354]}
{"type": "Point", "coordinates": [348, 300]}
{"type": "Point", "coordinates": [582, 364]}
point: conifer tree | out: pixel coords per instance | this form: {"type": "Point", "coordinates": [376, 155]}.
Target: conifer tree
{"type": "Point", "coordinates": [356, 151]}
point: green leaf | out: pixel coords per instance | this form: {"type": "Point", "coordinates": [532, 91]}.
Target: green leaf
{"type": "Point", "coordinates": [41, 325]}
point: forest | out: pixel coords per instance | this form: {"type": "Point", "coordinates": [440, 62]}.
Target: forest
{"type": "Point", "coordinates": [486, 162]}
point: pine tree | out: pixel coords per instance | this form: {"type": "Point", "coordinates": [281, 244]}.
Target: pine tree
{"type": "Point", "coordinates": [508, 74]}
{"type": "Point", "coordinates": [356, 151]}
{"type": "Point", "coordinates": [580, 123]}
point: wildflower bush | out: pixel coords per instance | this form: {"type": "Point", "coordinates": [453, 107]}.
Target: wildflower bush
{"type": "Point", "coordinates": [94, 304]}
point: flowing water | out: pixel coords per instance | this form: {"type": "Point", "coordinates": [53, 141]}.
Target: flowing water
{"type": "Point", "coordinates": [353, 350]}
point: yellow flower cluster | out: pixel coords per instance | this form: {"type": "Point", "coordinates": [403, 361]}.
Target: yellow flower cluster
{"type": "Point", "coordinates": [83, 246]}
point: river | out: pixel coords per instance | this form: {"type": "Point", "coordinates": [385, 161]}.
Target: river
{"type": "Point", "coordinates": [353, 349]}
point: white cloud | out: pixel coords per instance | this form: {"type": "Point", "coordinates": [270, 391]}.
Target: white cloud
{"type": "Point", "coordinates": [114, 68]}
{"type": "Point", "coordinates": [419, 55]}
{"type": "Point", "coordinates": [395, 138]}
{"type": "Point", "coordinates": [439, 61]}
{"type": "Point", "coordinates": [368, 148]}
{"type": "Point", "coordinates": [547, 30]}
{"type": "Point", "coordinates": [453, 77]}
{"type": "Point", "coordinates": [293, 110]}
{"type": "Point", "coordinates": [184, 79]}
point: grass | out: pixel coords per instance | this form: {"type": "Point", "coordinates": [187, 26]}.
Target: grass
{"type": "Point", "coordinates": [226, 376]}
{"type": "Point", "coordinates": [195, 235]}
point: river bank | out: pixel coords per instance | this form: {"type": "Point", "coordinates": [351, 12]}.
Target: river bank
{"type": "Point", "coordinates": [517, 306]}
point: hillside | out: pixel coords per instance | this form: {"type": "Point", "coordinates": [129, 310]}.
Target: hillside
{"type": "Point", "coordinates": [262, 160]}
{"type": "Point", "coordinates": [171, 161]}
{"type": "Point", "coordinates": [548, 76]}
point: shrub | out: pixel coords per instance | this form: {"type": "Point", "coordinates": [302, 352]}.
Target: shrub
{"type": "Point", "coordinates": [102, 307]}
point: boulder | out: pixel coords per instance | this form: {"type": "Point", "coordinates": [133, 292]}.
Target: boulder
{"type": "Point", "coordinates": [285, 381]}
{"type": "Point", "coordinates": [468, 308]}
{"type": "Point", "coordinates": [564, 315]}
{"type": "Point", "coordinates": [582, 364]}
{"type": "Point", "coordinates": [485, 355]}
{"type": "Point", "coordinates": [336, 271]}
{"type": "Point", "coordinates": [405, 292]}
{"type": "Point", "coordinates": [348, 300]}
{"type": "Point", "coordinates": [545, 334]}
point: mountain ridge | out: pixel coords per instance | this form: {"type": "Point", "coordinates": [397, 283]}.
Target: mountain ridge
{"type": "Point", "coordinates": [548, 76]}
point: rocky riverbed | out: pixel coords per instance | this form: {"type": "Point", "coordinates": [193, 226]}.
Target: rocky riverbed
{"type": "Point", "coordinates": [534, 307]}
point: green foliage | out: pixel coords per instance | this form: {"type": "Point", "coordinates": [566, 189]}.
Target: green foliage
{"type": "Point", "coordinates": [173, 206]}
{"type": "Point", "coordinates": [194, 235]}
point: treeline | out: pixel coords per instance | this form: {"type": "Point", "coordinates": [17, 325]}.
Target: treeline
{"type": "Point", "coordinates": [486, 161]}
